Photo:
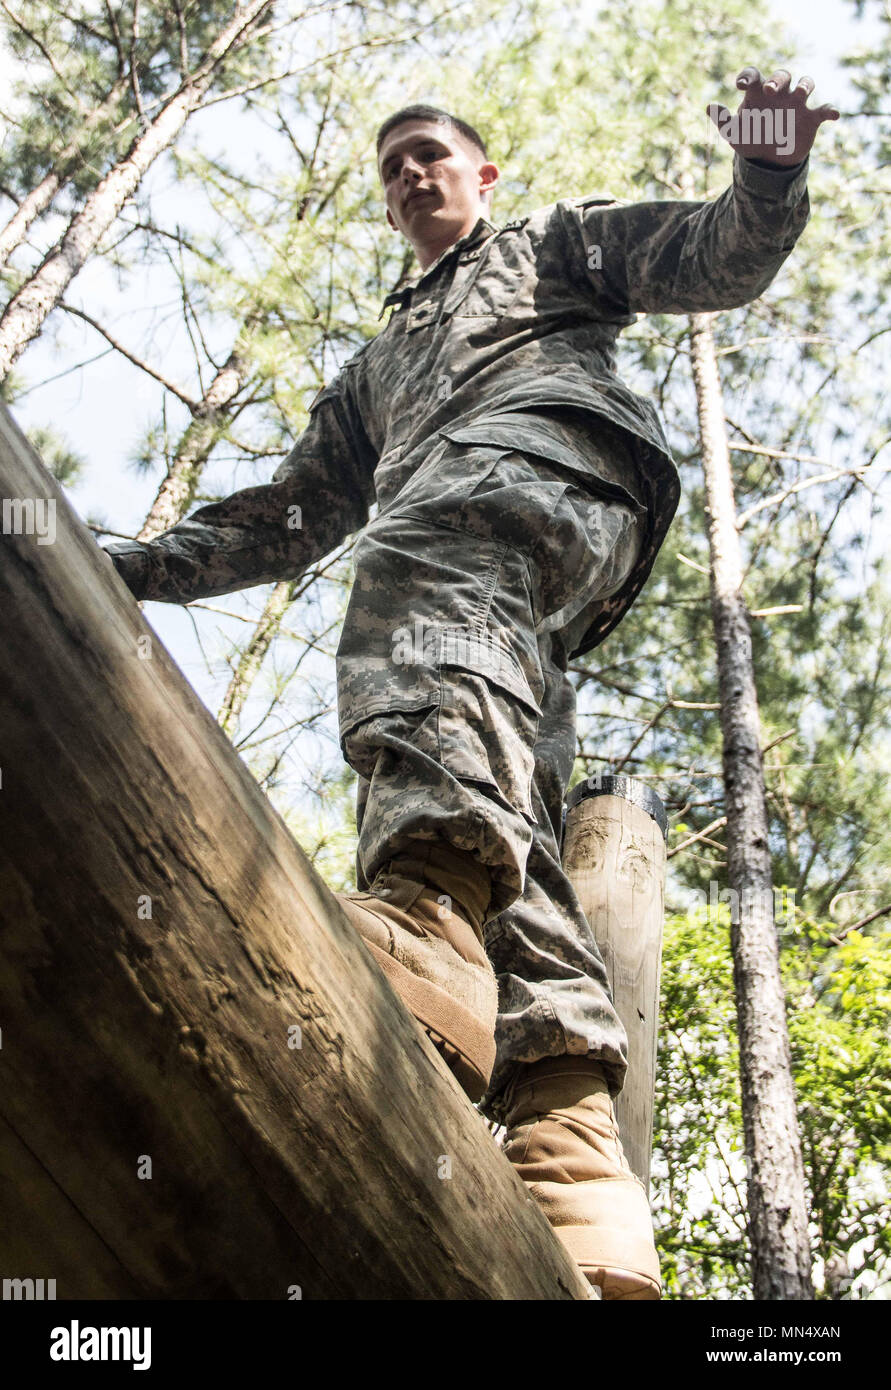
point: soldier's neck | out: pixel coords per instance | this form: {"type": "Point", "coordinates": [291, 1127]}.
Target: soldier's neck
{"type": "Point", "coordinates": [428, 252]}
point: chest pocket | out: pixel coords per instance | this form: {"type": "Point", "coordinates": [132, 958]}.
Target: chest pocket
{"type": "Point", "coordinates": [494, 280]}
{"type": "Point", "coordinates": [421, 315]}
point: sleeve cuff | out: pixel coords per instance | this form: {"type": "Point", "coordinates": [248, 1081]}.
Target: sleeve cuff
{"type": "Point", "coordinates": [132, 562]}
{"type": "Point", "coordinates": [785, 186]}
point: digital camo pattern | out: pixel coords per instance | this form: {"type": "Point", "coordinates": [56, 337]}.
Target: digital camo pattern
{"type": "Point", "coordinates": [507, 323]}
{"type": "Point", "coordinates": [457, 714]}
{"type": "Point", "coordinates": [523, 494]}
{"type": "Point", "coordinates": [553, 990]}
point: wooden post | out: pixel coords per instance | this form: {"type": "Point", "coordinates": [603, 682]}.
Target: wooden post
{"type": "Point", "coordinates": [207, 1087]}
{"type": "Point", "coordinates": [614, 856]}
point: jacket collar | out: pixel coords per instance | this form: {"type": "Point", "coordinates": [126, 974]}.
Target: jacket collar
{"type": "Point", "coordinates": [483, 229]}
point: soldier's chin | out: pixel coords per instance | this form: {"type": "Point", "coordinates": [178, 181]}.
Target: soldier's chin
{"type": "Point", "coordinates": [426, 207]}
{"type": "Point", "coordinates": [443, 214]}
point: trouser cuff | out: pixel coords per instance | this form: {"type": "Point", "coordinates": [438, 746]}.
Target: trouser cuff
{"type": "Point", "coordinates": [448, 870]}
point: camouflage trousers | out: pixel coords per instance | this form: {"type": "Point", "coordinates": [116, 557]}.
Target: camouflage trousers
{"type": "Point", "coordinates": [457, 713]}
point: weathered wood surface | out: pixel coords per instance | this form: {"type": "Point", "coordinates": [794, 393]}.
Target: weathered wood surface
{"type": "Point", "coordinates": [349, 1167]}
{"type": "Point", "coordinates": [614, 856]}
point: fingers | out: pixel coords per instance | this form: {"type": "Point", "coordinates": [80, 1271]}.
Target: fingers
{"type": "Point", "coordinates": [750, 80]}
{"type": "Point", "coordinates": [718, 114]}
{"type": "Point", "coordinates": [749, 77]}
{"type": "Point", "coordinates": [779, 81]}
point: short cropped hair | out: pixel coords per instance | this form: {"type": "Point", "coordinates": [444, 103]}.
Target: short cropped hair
{"type": "Point", "coordinates": [421, 112]}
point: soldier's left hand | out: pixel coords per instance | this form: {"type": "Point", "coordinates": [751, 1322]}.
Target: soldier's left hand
{"type": "Point", "coordinates": [774, 122]}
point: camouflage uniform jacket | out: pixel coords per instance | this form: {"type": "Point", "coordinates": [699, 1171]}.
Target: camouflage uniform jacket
{"type": "Point", "coordinates": [508, 338]}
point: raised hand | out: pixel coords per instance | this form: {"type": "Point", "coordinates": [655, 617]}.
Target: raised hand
{"type": "Point", "coordinates": [774, 122]}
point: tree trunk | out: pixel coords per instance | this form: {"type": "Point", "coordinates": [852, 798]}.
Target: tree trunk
{"type": "Point", "coordinates": [252, 657]}
{"type": "Point", "coordinates": [777, 1208]}
{"type": "Point", "coordinates": [35, 203]}
{"type": "Point", "coordinates": [209, 1089]}
{"type": "Point", "coordinates": [27, 311]}
{"type": "Point", "coordinates": [177, 491]}
{"type": "Point", "coordinates": [176, 494]}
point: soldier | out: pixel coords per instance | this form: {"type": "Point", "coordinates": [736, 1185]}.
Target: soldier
{"type": "Point", "coordinates": [523, 493]}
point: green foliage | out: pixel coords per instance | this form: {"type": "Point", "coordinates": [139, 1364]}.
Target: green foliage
{"type": "Point", "coordinates": [93, 73]}
{"type": "Point", "coordinates": [838, 999]}
{"type": "Point", "coordinates": [327, 832]}
{"type": "Point", "coordinates": [839, 1006]}
{"type": "Point", "coordinates": [698, 1174]}
{"type": "Point", "coordinates": [57, 455]}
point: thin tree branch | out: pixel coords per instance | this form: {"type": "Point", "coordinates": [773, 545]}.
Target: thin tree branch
{"type": "Point", "coordinates": [48, 380]}
{"type": "Point", "coordinates": [39, 44]}
{"type": "Point", "coordinates": [663, 709]}
{"type": "Point", "coordinates": [838, 937]}
{"type": "Point", "coordinates": [134, 66]}
{"type": "Point", "coordinates": [786, 338]}
{"type": "Point", "coordinates": [117, 40]}
{"type": "Point", "coordinates": [183, 43]}
{"type": "Point", "coordinates": [762, 449]}
{"type": "Point", "coordinates": [700, 835]}
{"type": "Point", "coordinates": [131, 357]}
{"type": "Point", "coordinates": [862, 472]}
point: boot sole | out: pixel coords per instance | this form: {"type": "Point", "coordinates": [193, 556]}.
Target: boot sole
{"type": "Point", "coordinates": [605, 1226]}
{"type": "Point", "coordinates": [457, 1034]}
{"type": "Point", "coordinates": [613, 1282]}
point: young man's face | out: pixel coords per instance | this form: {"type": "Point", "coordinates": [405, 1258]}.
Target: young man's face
{"type": "Point", "coordinates": [433, 180]}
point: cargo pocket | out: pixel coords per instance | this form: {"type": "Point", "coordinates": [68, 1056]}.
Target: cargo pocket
{"type": "Point", "coordinates": [382, 706]}
{"type": "Point", "coordinates": [488, 719]}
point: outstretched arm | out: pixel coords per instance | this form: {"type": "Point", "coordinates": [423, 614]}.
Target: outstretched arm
{"type": "Point", "coordinates": [319, 494]}
{"type": "Point", "coordinates": [691, 257]}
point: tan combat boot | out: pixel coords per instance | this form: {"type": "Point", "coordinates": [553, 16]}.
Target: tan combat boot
{"type": "Point", "coordinates": [563, 1141]}
{"type": "Point", "coordinates": [423, 923]}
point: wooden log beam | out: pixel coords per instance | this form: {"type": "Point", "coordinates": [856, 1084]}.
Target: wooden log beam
{"type": "Point", "coordinates": [614, 856]}
{"type": "Point", "coordinates": [207, 1088]}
